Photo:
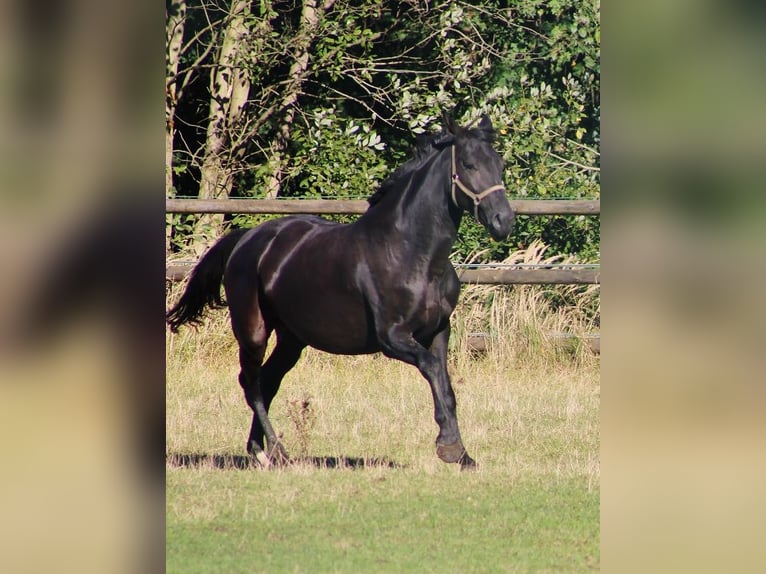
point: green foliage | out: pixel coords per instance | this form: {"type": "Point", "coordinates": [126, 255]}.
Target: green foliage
{"type": "Point", "coordinates": [187, 230]}
{"type": "Point", "coordinates": [336, 157]}
{"type": "Point", "coordinates": [543, 94]}
{"type": "Point", "coordinates": [378, 73]}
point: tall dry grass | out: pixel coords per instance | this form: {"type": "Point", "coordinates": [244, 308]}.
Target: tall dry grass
{"type": "Point", "coordinates": [528, 323]}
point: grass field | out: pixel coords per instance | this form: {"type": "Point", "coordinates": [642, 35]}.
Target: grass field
{"type": "Point", "coordinates": [367, 492]}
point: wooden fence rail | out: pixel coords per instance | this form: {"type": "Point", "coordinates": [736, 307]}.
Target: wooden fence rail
{"type": "Point", "coordinates": [359, 206]}
{"type": "Point", "coordinates": [530, 276]}
{"type": "Point", "coordinates": [497, 276]}
{"type": "Point", "coordinates": [480, 276]}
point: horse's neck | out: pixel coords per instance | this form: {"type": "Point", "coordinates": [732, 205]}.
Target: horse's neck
{"type": "Point", "coordinates": [420, 217]}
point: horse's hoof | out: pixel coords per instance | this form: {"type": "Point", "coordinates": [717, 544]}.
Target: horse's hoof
{"type": "Point", "coordinates": [256, 452]}
{"type": "Point", "coordinates": [454, 452]}
{"type": "Point", "coordinates": [262, 459]}
{"type": "Point", "coordinates": [278, 455]}
{"type": "Point", "coordinates": [467, 463]}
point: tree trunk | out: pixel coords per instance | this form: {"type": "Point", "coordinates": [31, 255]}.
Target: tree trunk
{"type": "Point", "coordinates": [310, 18]}
{"type": "Point", "coordinates": [174, 34]}
{"type": "Point", "coordinates": [175, 22]}
{"type": "Point", "coordinates": [229, 90]}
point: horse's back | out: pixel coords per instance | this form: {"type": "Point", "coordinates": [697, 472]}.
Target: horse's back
{"type": "Point", "coordinates": [276, 237]}
{"type": "Point", "coordinates": [303, 269]}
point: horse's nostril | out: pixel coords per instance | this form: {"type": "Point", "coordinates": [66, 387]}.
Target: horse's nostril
{"type": "Point", "coordinates": [501, 225]}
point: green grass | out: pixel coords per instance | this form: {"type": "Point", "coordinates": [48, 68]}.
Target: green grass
{"type": "Point", "coordinates": [377, 520]}
{"type": "Point", "coordinates": [529, 415]}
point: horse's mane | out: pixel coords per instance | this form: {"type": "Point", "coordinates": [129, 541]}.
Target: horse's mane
{"type": "Point", "coordinates": [425, 147]}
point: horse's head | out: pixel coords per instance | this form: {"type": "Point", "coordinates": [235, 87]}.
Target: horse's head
{"type": "Point", "coordinates": [477, 177]}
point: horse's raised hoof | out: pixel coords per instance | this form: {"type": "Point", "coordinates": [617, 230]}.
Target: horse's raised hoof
{"type": "Point", "coordinates": [454, 452]}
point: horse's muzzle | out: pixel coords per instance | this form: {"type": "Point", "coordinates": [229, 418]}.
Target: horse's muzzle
{"type": "Point", "coordinates": [500, 225]}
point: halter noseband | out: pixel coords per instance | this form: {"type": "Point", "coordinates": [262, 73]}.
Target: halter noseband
{"type": "Point", "coordinates": [476, 197]}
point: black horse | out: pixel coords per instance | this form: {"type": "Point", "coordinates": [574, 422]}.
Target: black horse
{"type": "Point", "coordinates": [383, 283]}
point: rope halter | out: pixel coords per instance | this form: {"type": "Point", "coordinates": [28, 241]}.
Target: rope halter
{"type": "Point", "coordinates": [476, 197]}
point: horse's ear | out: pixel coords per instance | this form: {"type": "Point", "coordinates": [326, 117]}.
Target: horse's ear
{"type": "Point", "coordinates": [485, 123]}
{"type": "Point", "coordinates": [447, 121]}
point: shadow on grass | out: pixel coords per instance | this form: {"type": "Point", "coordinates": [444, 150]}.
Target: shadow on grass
{"type": "Point", "coordinates": [240, 462]}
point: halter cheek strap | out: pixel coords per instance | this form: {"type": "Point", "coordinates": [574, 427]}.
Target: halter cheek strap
{"type": "Point", "coordinates": [476, 197]}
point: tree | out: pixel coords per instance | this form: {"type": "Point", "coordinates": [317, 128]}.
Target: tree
{"type": "Point", "coordinates": [311, 16]}
{"type": "Point", "coordinates": [323, 97]}
{"type": "Point", "coordinates": [175, 20]}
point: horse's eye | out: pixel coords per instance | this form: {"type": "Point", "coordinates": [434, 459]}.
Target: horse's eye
{"type": "Point", "coordinates": [469, 165]}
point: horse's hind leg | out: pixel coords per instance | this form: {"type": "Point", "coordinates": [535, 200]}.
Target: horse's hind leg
{"type": "Point", "coordinates": [282, 359]}
{"type": "Point", "coordinates": [252, 333]}
{"type": "Point", "coordinates": [249, 378]}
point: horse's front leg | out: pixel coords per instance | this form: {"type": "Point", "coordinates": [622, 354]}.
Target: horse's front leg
{"type": "Point", "coordinates": [449, 448]}
{"type": "Point", "coordinates": [398, 344]}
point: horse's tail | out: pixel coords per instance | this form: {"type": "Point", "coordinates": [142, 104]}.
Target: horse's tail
{"type": "Point", "coordinates": [204, 286]}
